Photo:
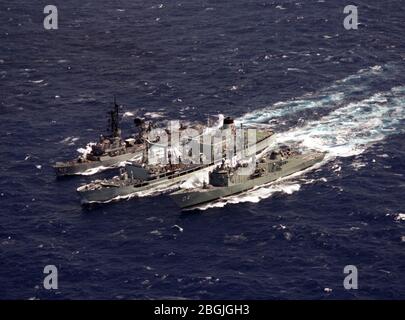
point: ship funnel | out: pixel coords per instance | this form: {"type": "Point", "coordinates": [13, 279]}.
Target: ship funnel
{"type": "Point", "coordinates": [228, 122]}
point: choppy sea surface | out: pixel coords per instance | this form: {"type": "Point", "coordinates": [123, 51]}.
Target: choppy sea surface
{"type": "Point", "coordinates": [289, 65]}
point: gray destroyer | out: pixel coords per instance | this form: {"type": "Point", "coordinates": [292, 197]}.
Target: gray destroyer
{"type": "Point", "coordinates": [109, 151]}
{"type": "Point", "coordinates": [225, 181]}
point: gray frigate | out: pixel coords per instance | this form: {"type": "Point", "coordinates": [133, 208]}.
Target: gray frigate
{"type": "Point", "coordinates": [225, 180]}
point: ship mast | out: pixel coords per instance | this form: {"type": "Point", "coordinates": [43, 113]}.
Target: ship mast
{"type": "Point", "coordinates": [114, 121]}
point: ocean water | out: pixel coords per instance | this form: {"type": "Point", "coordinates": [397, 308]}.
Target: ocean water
{"type": "Point", "coordinates": [289, 65]}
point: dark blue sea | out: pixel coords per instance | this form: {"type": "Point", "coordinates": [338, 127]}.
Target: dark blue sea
{"type": "Point", "coordinates": [289, 65]}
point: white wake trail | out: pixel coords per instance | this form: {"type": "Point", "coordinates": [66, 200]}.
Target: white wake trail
{"type": "Point", "coordinates": [345, 132]}
{"type": "Point", "coordinates": [349, 130]}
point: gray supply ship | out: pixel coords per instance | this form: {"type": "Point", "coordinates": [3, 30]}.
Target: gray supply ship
{"type": "Point", "coordinates": [263, 139]}
{"type": "Point", "coordinates": [110, 150]}
{"type": "Point", "coordinates": [139, 178]}
{"type": "Point", "coordinates": [225, 181]}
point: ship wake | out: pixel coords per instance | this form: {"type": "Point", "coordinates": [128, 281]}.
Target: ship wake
{"type": "Point", "coordinates": [346, 131]}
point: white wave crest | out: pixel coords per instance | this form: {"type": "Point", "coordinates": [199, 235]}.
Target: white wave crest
{"type": "Point", "coordinates": [254, 195]}
{"type": "Point", "coordinates": [326, 98]}
{"type": "Point", "coordinates": [349, 130]}
{"type": "Point", "coordinates": [86, 150]}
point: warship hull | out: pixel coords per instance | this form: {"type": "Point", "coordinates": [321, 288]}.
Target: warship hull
{"type": "Point", "coordinates": [106, 162]}
{"type": "Point", "coordinates": [111, 192]}
{"type": "Point", "coordinates": [189, 199]}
